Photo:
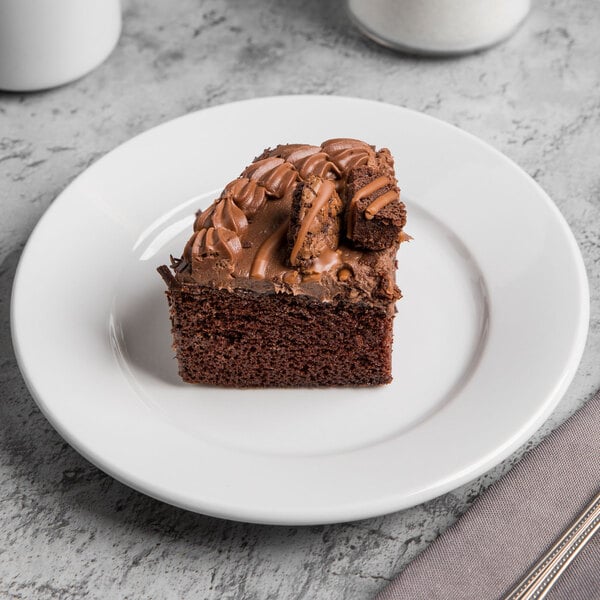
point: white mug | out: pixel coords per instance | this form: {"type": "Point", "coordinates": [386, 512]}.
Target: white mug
{"type": "Point", "coordinates": [45, 43]}
{"type": "Point", "coordinates": [438, 26]}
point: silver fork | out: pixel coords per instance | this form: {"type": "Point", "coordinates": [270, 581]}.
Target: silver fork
{"type": "Point", "coordinates": [544, 574]}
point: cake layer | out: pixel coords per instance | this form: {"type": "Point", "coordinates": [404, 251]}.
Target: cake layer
{"type": "Point", "coordinates": [241, 338]}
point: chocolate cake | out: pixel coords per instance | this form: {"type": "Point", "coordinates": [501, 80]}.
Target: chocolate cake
{"type": "Point", "coordinates": [289, 276]}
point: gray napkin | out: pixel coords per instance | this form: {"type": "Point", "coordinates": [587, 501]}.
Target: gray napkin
{"type": "Point", "coordinates": [513, 524]}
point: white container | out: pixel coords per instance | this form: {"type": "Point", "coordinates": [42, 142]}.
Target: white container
{"type": "Point", "coordinates": [438, 26]}
{"type": "Point", "coordinates": [45, 43]}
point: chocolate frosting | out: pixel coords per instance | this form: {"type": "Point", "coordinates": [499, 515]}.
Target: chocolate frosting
{"type": "Point", "coordinates": [283, 226]}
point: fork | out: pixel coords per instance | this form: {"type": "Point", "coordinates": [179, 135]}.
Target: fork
{"type": "Point", "coordinates": [544, 574]}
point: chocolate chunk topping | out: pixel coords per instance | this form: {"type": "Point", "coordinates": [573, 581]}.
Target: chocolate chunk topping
{"type": "Point", "coordinates": [322, 221]}
{"type": "Point", "coordinates": [374, 214]}
{"type": "Point", "coordinates": [314, 221]}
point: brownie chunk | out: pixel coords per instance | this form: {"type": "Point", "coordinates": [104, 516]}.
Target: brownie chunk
{"type": "Point", "coordinates": [374, 214]}
{"type": "Point", "coordinates": [314, 221]}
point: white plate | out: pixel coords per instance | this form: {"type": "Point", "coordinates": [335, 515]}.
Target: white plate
{"type": "Point", "coordinates": [487, 339]}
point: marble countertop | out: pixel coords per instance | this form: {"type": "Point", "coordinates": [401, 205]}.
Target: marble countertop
{"type": "Point", "coordinates": [68, 530]}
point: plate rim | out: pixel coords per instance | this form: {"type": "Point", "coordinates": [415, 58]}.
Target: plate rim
{"type": "Point", "coordinates": [390, 503]}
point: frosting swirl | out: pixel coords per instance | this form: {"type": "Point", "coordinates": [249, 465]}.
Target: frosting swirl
{"type": "Point", "coordinates": [211, 242]}
{"type": "Point", "coordinates": [348, 153]}
{"type": "Point", "coordinates": [274, 174]}
{"type": "Point", "coordinates": [307, 160]}
{"type": "Point", "coordinates": [223, 214]}
{"type": "Point", "coordinates": [247, 194]}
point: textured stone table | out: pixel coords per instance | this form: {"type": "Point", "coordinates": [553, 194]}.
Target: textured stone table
{"type": "Point", "coordinates": [71, 532]}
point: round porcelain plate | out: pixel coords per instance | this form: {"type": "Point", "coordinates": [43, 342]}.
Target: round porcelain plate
{"type": "Point", "coordinates": [487, 337]}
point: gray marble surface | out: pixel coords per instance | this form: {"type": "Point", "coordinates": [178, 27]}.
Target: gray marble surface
{"type": "Point", "coordinates": [68, 530]}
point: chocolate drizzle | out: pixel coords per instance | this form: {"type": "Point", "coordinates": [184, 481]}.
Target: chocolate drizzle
{"type": "Point", "coordinates": [291, 192]}
{"type": "Point", "coordinates": [379, 203]}
{"type": "Point", "coordinates": [266, 252]}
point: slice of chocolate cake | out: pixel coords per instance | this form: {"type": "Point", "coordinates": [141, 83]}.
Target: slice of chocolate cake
{"type": "Point", "coordinates": [289, 276]}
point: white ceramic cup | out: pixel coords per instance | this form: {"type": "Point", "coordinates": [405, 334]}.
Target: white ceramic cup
{"type": "Point", "coordinates": [438, 26]}
{"type": "Point", "coordinates": [45, 43]}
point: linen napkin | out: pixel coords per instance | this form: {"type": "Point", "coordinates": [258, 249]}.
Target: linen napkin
{"type": "Point", "coordinates": [515, 522]}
